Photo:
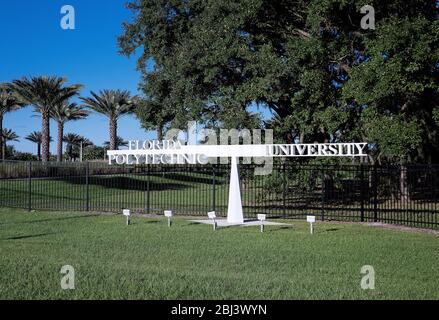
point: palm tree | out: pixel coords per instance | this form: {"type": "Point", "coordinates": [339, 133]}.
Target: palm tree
{"type": "Point", "coordinates": [8, 135]}
{"type": "Point", "coordinates": [37, 137]}
{"type": "Point", "coordinates": [63, 113]}
{"type": "Point", "coordinates": [83, 144]}
{"type": "Point", "coordinates": [71, 140]}
{"type": "Point", "coordinates": [113, 104]}
{"type": "Point", "coordinates": [120, 142]}
{"type": "Point", "coordinates": [75, 144]}
{"type": "Point", "coordinates": [45, 93]}
{"type": "Point", "coordinates": [8, 102]}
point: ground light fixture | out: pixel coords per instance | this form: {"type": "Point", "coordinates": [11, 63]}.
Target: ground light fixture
{"type": "Point", "coordinates": [262, 218]}
{"type": "Point", "coordinates": [311, 220]}
{"type": "Point", "coordinates": [127, 213]}
{"type": "Point", "coordinates": [168, 214]}
{"type": "Point", "coordinates": [212, 216]}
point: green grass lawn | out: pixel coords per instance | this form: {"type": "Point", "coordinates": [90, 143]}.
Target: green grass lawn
{"type": "Point", "coordinates": [193, 193]}
{"type": "Point", "coordinates": [187, 192]}
{"type": "Point", "coordinates": [184, 193]}
{"type": "Point", "coordinates": [147, 260]}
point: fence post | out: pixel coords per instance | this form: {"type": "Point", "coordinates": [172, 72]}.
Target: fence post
{"type": "Point", "coordinates": [148, 173]}
{"type": "Point", "coordinates": [323, 194]}
{"type": "Point", "coordinates": [29, 199]}
{"type": "Point", "coordinates": [213, 187]}
{"type": "Point", "coordinates": [284, 191]}
{"type": "Point", "coordinates": [375, 193]}
{"type": "Point", "coordinates": [87, 186]}
{"type": "Point", "coordinates": [362, 191]}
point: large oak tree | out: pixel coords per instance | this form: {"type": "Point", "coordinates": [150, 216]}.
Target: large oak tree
{"type": "Point", "coordinates": [309, 62]}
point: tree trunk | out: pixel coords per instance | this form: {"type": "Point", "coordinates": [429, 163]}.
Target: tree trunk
{"type": "Point", "coordinates": [39, 151]}
{"type": "Point", "coordinates": [1, 138]}
{"type": "Point", "coordinates": [69, 151]}
{"type": "Point", "coordinates": [403, 183]}
{"type": "Point", "coordinates": [4, 149]}
{"type": "Point", "coordinates": [289, 137]}
{"type": "Point", "coordinates": [45, 132]}
{"type": "Point", "coordinates": [302, 138]}
{"type": "Point", "coordinates": [60, 136]}
{"type": "Point", "coordinates": [113, 134]}
{"type": "Point", "coordinates": [160, 132]}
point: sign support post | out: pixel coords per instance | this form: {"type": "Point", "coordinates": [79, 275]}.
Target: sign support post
{"type": "Point", "coordinates": [234, 208]}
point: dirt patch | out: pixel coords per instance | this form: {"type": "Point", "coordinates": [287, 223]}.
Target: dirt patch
{"type": "Point", "coordinates": [402, 228]}
{"type": "Point", "coordinates": [387, 226]}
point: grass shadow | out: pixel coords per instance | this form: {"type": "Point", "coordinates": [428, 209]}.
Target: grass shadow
{"type": "Point", "coordinates": [152, 221]}
{"type": "Point", "coordinates": [55, 219]}
{"type": "Point", "coordinates": [332, 230]}
{"type": "Point", "coordinates": [125, 183]}
{"type": "Point", "coordinates": [29, 236]}
{"type": "Point", "coordinates": [189, 178]}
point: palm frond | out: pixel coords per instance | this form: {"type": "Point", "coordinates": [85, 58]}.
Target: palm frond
{"type": "Point", "coordinates": [44, 92]}
{"type": "Point", "coordinates": [111, 103]}
{"type": "Point", "coordinates": [120, 142]}
{"type": "Point", "coordinates": [68, 112]}
{"type": "Point", "coordinates": [9, 101]}
{"type": "Point", "coordinates": [9, 135]}
{"type": "Point", "coordinates": [36, 137]}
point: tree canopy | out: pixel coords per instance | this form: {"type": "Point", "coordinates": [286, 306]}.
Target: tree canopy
{"type": "Point", "coordinates": [309, 62]}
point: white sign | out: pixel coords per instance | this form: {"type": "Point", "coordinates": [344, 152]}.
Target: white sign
{"type": "Point", "coordinates": [211, 215]}
{"type": "Point", "coordinates": [126, 212]}
{"type": "Point", "coordinates": [173, 152]}
{"type": "Point", "coordinates": [168, 213]}
{"type": "Point", "coordinates": [170, 152]}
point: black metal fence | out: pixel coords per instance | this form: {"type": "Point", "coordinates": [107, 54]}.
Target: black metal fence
{"type": "Point", "coordinates": [407, 195]}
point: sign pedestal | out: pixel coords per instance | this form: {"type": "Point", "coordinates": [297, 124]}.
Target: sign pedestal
{"type": "Point", "coordinates": [234, 210]}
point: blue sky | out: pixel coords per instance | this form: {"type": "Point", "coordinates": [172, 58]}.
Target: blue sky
{"type": "Point", "coordinates": [33, 43]}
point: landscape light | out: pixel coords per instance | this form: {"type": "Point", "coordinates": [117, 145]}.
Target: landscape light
{"type": "Point", "coordinates": [212, 215]}
{"type": "Point", "coordinates": [311, 220]}
{"type": "Point", "coordinates": [262, 218]}
{"type": "Point", "coordinates": [127, 213]}
{"type": "Point", "coordinates": [168, 214]}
